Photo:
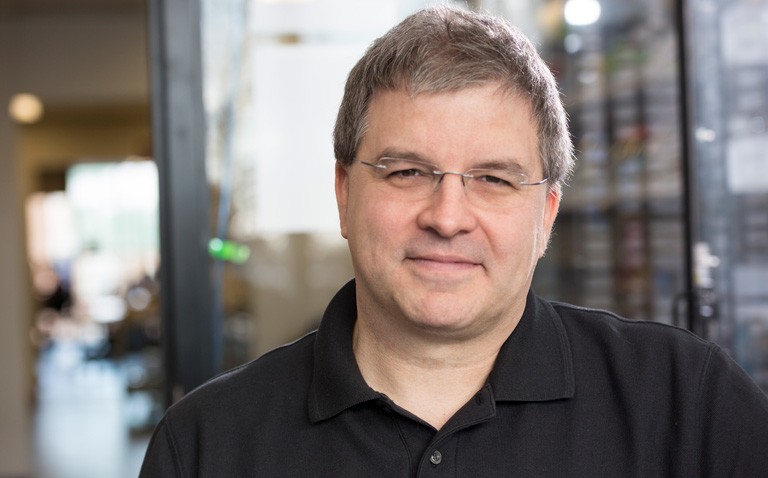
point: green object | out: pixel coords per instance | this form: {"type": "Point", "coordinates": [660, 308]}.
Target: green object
{"type": "Point", "coordinates": [229, 251]}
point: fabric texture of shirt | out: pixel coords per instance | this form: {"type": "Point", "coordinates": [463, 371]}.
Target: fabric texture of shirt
{"type": "Point", "coordinates": [573, 392]}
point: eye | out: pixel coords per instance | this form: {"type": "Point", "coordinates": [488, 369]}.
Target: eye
{"type": "Point", "coordinates": [399, 170]}
{"type": "Point", "coordinates": [494, 180]}
{"type": "Point", "coordinates": [407, 173]}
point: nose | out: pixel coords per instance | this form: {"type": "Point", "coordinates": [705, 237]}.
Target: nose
{"type": "Point", "coordinates": [447, 211]}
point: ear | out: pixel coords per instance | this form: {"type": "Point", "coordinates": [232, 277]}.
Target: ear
{"type": "Point", "coordinates": [551, 206]}
{"type": "Point", "coordinates": [342, 196]}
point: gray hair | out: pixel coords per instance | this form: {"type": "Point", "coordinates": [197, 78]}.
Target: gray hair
{"type": "Point", "coordinates": [447, 49]}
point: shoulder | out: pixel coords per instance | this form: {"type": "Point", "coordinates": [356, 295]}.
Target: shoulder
{"type": "Point", "coordinates": [282, 372]}
{"type": "Point", "coordinates": [600, 327]}
{"type": "Point", "coordinates": [643, 356]}
{"type": "Point", "coordinates": [644, 353]}
{"type": "Point", "coordinates": [607, 348]}
{"type": "Point", "coordinates": [657, 380]}
{"type": "Point", "coordinates": [241, 411]}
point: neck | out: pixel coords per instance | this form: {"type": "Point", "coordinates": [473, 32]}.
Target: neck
{"type": "Point", "coordinates": [430, 378]}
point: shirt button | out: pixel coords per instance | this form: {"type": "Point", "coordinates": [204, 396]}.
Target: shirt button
{"type": "Point", "coordinates": [436, 457]}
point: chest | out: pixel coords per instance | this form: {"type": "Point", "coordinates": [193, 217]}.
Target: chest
{"type": "Point", "coordinates": [484, 439]}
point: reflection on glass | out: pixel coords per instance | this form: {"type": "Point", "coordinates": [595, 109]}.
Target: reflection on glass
{"type": "Point", "coordinates": [730, 89]}
{"type": "Point", "coordinates": [618, 241]}
{"type": "Point", "coordinates": [274, 75]}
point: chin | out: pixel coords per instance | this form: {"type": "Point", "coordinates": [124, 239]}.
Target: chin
{"type": "Point", "coordinates": [442, 320]}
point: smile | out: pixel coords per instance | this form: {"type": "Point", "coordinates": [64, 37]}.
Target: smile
{"type": "Point", "coordinates": [443, 263]}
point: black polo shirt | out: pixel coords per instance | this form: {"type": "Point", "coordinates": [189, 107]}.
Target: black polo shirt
{"type": "Point", "coordinates": [574, 392]}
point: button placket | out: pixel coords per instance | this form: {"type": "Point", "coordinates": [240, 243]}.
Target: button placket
{"type": "Point", "coordinates": [440, 456]}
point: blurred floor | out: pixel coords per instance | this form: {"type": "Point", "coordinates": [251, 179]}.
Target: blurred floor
{"type": "Point", "coordinates": [87, 424]}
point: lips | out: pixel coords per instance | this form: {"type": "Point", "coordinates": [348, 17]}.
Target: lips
{"type": "Point", "coordinates": [442, 263]}
{"type": "Point", "coordinates": [443, 259]}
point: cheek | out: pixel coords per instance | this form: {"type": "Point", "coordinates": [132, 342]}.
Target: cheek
{"type": "Point", "coordinates": [541, 240]}
{"type": "Point", "coordinates": [520, 238]}
{"type": "Point", "coordinates": [372, 222]}
{"type": "Point", "coordinates": [376, 241]}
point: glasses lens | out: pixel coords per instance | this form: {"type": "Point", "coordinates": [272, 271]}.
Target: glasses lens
{"type": "Point", "coordinates": [414, 176]}
{"type": "Point", "coordinates": [489, 188]}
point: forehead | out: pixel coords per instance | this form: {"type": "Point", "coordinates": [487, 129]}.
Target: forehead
{"type": "Point", "coordinates": [456, 128]}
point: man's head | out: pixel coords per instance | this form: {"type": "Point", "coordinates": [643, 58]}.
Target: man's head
{"type": "Point", "coordinates": [442, 49]}
{"type": "Point", "coordinates": [443, 195]}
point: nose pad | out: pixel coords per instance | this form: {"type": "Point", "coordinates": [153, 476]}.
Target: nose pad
{"type": "Point", "coordinates": [447, 195]}
{"type": "Point", "coordinates": [461, 176]}
{"type": "Point", "coordinates": [448, 212]}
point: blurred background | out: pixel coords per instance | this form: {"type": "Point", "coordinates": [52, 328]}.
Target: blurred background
{"type": "Point", "coordinates": [167, 207]}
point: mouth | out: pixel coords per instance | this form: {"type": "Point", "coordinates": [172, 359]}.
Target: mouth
{"type": "Point", "coordinates": [443, 262]}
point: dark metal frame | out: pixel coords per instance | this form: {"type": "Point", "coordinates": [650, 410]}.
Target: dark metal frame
{"type": "Point", "coordinates": [190, 331]}
{"type": "Point", "coordinates": [690, 196]}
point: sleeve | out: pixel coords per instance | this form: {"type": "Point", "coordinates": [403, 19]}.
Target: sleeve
{"type": "Point", "coordinates": [161, 458]}
{"type": "Point", "coordinates": [733, 419]}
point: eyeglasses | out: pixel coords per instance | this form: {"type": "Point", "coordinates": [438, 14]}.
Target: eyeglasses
{"type": "Point", "coordinates": [485, 187]}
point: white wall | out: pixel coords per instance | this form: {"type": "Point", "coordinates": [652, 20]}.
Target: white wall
{"type": "Point", "coordinates": [82, 57]}
{"type": "Point", "coordinates": [15, 444]}
{"type": "Point", "coordinates": [14, 297]}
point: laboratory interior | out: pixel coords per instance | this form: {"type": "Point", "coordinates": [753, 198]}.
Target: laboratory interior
{"type": "Point", "coordinates": [167, 209]}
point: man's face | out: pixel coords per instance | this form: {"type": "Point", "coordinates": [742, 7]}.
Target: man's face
{"type": "Point", "coordinates": [444, 265]}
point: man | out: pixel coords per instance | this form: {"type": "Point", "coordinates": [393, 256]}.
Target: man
{"type": "Point", "coordinates": [452, 147]}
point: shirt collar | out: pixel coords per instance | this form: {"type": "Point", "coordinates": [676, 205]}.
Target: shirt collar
{"type": "Point", "coordinates": [337, 383]}
{"type": "Point", "coordinates": [534, 364]}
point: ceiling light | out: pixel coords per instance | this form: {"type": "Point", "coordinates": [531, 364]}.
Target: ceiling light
{"type": "Point", "coordinates": [582, 12]}
{"type": "Point", "coordinates": [25, 108]}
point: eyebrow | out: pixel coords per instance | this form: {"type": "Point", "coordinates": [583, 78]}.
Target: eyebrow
{"type": "Point", "coordinates": [511, 165]}
{"type": "Point", "coordinates": [403, 154]}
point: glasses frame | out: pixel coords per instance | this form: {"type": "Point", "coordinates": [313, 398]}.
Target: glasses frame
{"type": "Point", "coordinates": [438, 175]}
{"type": "Point", "coordinates": [441, 174]}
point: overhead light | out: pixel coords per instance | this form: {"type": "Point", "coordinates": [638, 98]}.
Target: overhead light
{"type": "Point", "coordinates": [582, 12]}
{"type": "Point", "coordinates": [25, 108]}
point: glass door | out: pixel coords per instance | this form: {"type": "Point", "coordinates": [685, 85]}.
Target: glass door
{"type": "Point", "coordinates": [619, 239]}
{"type": "Point", "coordinates": [273, 77]}
{"type": "Point", "coordinates": [728, 111]}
